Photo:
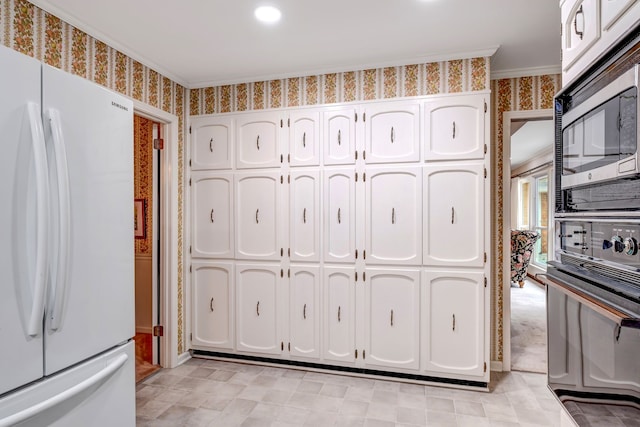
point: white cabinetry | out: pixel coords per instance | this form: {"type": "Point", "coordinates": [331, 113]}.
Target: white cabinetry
{"type": "Point", "coordinates": [454, 206]}
{"type": "Point", "coordinates": [304, 312]}
{"type": "Point", "coordinates": [394, 215]}
{"type": "Point", "coordinates": [454, 128]}
{"type": "Point", "coordinates": [212, 305]}
{"type": "Point", "coordinates": [257, 212]}
{"type": "Point", "coordinates": [211, 143]}
{"type": "Point", "coordinates": [259, 140]}
{"type": "Point", "coordinates": [339, 136]}
{"type": "Point", "coordinates": [612, 10]}
{"type": "Point", "coordinates": [339, 215]}
{"type": "Point", "coordinates": [454, 305]}
{"type": "Point", "coordinates": [304, 138]}
{"type": "Point", "coordinates": [339, 314]}
{"type": "Point", "coordinates": [392, 318]}
{"type": "Point", "coordinates": [258, 289]}
{"type": "Point", "coordinates": [580, 29]}
{"type": "Point", "coordinates": [392, 132]}
{"type": "Point", "coordinates": [212, 216]}
{"type": "Point", "coordinates": [304, 217]}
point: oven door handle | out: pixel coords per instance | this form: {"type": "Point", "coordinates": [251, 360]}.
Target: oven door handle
{"type": "Point", "coordinates": [613, 314]}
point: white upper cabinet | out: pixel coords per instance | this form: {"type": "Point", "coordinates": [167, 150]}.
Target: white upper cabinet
{"type": "Point", "coordinates": [393, 215]}
{"type": "Point", "coordinates": [612, 10]}
{"type": "Point", "coordinates": [212, 216]}
{"type": "Point", "coordinates": [304, 138]}
{"type": "Point", "coordinates": [392, 132]}
{"type": "Point", "coordinates": [454, 215]}
{"type": "Point", "coordinates": [304, 312]}
{"type": "Point", "coordinates": [259, 140]}
{"type": "Point", "coordinates": [258, 304]}
{"type": "Point", "coordinates": [211, 143]}
{"type": "Point", "coordinates": [339, 207]}
{"type": "Point", "coordinates": [257, 212]}
{"type": "Point", "coordinates": [304, 216]}
{"type": "Point", "coordinates": [339, 314]}
{"type": "Point", "coordinates": [580, 28]}
{"type": "Point", "coordinates": [339, 136]}
{"type": "Point", "coordinates": [392, 318]}
{"type": "Point", "coordinates": [454, 324]}
{"type": "Point", "coordinates": [212, 304]}
{"type": "Point", "coordinates": [454, 128]}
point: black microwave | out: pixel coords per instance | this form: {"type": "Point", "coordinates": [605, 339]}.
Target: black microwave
{"type": "Point", "coordinates": [599, 134]}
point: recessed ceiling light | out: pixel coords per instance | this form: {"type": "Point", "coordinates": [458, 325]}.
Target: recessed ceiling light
{"type": "Point", "coordinates": [267, 14]}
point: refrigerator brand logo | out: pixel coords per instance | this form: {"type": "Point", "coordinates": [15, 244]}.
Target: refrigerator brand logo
{"type": "Point", "coordinates": [122, 107]}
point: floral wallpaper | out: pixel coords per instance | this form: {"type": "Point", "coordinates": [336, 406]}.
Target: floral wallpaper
{"type": "Point", "coordinates": [518, 94]}
{"type": "Point", "coordinates": [143, 175]}
{"type": "Point", "coordinates": [392, 82]}
{"type": "Point", "coordinates": [27, 29]}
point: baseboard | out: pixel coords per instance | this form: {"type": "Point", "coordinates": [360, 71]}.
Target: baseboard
{"type": "Point", "coordinates": [144, 330]}
{"type": "Point", "coordinates": [183, 358]}
{"type": "Point", "coordinates": [496, 366]}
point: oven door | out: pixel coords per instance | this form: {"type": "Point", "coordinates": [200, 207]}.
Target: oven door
{"type": "Point", "coordinates": [593, 347]}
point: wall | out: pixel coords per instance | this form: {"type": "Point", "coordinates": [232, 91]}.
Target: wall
{"type": "Point", "coordinates": [519, 94]}
{"type": "Point", "coordinates": [32, 31]}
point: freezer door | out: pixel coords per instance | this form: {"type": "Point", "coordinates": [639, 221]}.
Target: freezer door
{"type": "Point", "coordinates": [97, 393]}
{"type": "Point", "coordinates": [21, 353]}
{"type": "Point", "coordinates": [89, 134]}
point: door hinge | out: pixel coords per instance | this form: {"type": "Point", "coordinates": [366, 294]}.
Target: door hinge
{"type": "Point", "coordinates": [289, 252]}
{"type": "Point", "coordinates": [288, 179]}
{"type": "Point", "coordinates": [281, 345]}
{"type": "Point", "coordinates": [364, 119]}
{"type": "Point", "coordinates": [356, 176]}
{"type": "Point", "coordinates": [189, 162]}
{"type": "Point", "coordinates": [356, 254]}
{"type": "Point", "coordinates": [189, 182]}
{"type": "Point", "coordinates": [485, 366]}
{"type": "Point", "coordinates": [356, 114]}
{"type": "Point", "coordinates": [189, 129]}
{"type": "Point", "coordinates": [158, 144]}
{"type": "Point", "coordinates": [364, 354]}
{"type": "Point", "coordinates": [281, 158]}
{"type": "Point", "coordinates": [356, 276]}
{"type": "Point", "coordinates": [190, 337]}
{"type": "Point", "coordinates": [485, 106]}
{"type": "Point", "coordinates": [364, 276]}
{"type": "Point", "coordinates": [281, 272]}
{"type": "Point", "coordinates": [289, 347]}
{"type": "Point", "coordinates": [281, 179]}
{"type": "Point", "coordinates": [364, 155]}
{"type": "Point", "coordinates": [288, 272]}
{"type": "Point", "coordinates": [485, 148]}
{"type": "Point", "coordinates": [356, 154]}
{"type": "Point", "coordinates": [288, 123]}
{"type": "Point", "coordinates": [364, 177]}
{"type": "Point", "coordinates": [158, 331]}
{"type": "Point", "coordinates": [485, 257]}
{"type": "Point", "coordinates": [356, 353]}
{"type": "Point", "coordinates": [364, 254]}
{"type": "Point", "coordinates": [485, 282]}
{"type": "Point", "coordinates": [289, 158]}
{"type": "Point", "coordinates": [191, 269]}
{"type": "Point", "coordinates": [281, 251]}
{"type": "Point", "coordinates": [281, 124]}
{"type": "Point", "coordinates": [485, 172]}
{"type": "Point", "coordinates": [190, 249]}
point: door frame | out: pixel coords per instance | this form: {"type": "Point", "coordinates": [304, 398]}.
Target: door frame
{"type": "Point", "coordinates": [167, 253]}
{"type": "Point", "coordinates": [507, 117]}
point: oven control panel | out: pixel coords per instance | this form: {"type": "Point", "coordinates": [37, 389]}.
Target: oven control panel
{"type": "Point", "coordinates": [610, 241]}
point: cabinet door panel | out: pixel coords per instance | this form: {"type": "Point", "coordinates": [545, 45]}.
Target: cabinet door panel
{"type": "Point", "coordinates": [339, 314]}
{"type": "Point", "coordinates": [212, 215]}
{"type": "Point", "coordinates": [339, 215]}
{"type": "Point", "coordinates": [454, 322]}
{"type": "Point", "coordinates": [612, 10]}
{"type": "Point", "coordinates": [580, 29]}
{"type": "Point", "coordinates": [304, 138]}
{"type": "Point", "coordinates": [304, 221]}
{"type": "Point", "coordinates": [304, 312]}
{"type": "Point", "coordinates": [257, 308]}
{"type": "Point", "coordinates": [258, 140]}
{"type": "Point", "coordinates": [211, 143]}
{"type": "Point", "coordinates": [454, 215]}
{"type": "Point", "coordinates": [212, 305]}
{"type": "Point", "coordinates": [339, 136]}
{"type": "Point", "coordinates": [392, 318]}
{"type": "Point", "coordinates": [392, 133]}
{"type": "Point", "coordinates": [454, 128]}
{"type": "Point", "coordinates": [394, 216]}
{"type": "Point", "coordinates": [257, 205]}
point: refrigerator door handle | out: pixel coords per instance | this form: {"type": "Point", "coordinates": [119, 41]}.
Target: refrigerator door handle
{"type": "Point", "coordinates": [90, 382]}
{"type": "Point", "coordinates": [59, 284]}
{"type": "Point", "coordinates": [42, 211]}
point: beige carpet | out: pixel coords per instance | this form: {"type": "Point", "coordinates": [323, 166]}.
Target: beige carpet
{"type": "Point", "coordinates": [528, 328]}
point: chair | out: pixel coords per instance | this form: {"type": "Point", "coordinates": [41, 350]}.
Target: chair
{"type": "Point", "coordinates": [522, 242]}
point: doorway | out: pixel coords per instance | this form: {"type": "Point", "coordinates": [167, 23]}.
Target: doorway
{"type": "Point", "coordinates": [528, 140]}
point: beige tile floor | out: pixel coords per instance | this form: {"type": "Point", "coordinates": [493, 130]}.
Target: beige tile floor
{"type": "Point", "coordinates": [216, 393]}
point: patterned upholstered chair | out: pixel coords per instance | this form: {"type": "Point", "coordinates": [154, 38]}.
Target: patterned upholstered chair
{"type": "Point", "coordinates": [522, 242]}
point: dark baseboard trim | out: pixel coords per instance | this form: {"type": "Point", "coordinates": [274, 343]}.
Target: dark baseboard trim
{"type": "Point", "coordinates": [334, 368]}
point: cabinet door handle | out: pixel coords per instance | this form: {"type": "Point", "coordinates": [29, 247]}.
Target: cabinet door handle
{"type": "Point", "coordinates": [304, 139]}
{"type": "Point", "coordinates": [304, 215]}
{"type": "Point", "coordinates": [391, 317]}
{"type": "Point", "coordinates": [339, 217]}
{"type": "Point", "coordinates": [454, 130]}
{"type": "Point", "coordinates": [393, 135]}
{"type": "Point", "coordinates": [575, 22]}
{"type": "Point", "coordinates": [453, 213]}
{"type": "Point", "coordinates": [212, 215]}
{"type": "Point", "coordinates": [258, 308]}
{"type": "Point", "coordinates": [211, 145]}
{"type": "Point", "coordinates": [211, 304]}
{"type": "Point", "coordinates": [338, 314]}
{"type": "Point", "coordinates": [339, 137]}
{"type": "Point", "coordinates": [454, 322]}
{"type": "Point", "coordinates": [393, 215]}
{"type": "Point", "coordinates": [258, 142]}
{"type": "Point", "coordinates": [304, 312]}
{"type": "Point", "coordinates": [257, 211]}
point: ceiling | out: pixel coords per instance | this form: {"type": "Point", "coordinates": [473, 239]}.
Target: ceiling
{"type": "Point", "coordinates": [200, 43]}
{"type": "Point", "coordinates": [532, 139]}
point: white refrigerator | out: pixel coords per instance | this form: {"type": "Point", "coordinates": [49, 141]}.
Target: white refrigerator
{"type": "Point", "coordinates": [66, 249]}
